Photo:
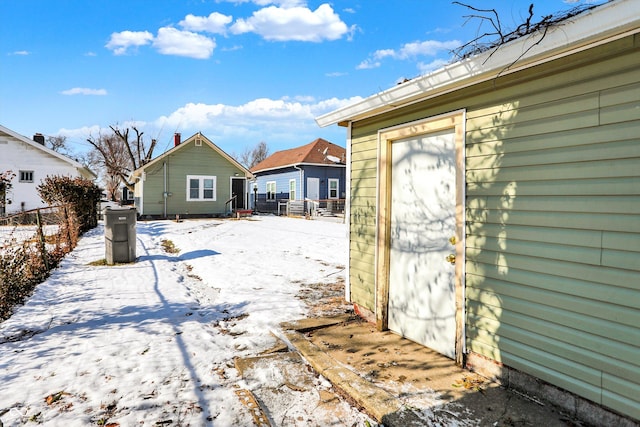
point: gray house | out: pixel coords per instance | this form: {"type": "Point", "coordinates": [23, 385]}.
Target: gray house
{"type": "Point", "coordinates": [494, 211]}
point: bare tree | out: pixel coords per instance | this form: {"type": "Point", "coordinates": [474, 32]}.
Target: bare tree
{"type": "Point", "coordinates": [252, 156]}
{"type": "Point", "coordinates": [118, 155]}
{"type": "Point", "coordinates": [58, 143]}
{"type": "Point", "coordinates": [109, 157]}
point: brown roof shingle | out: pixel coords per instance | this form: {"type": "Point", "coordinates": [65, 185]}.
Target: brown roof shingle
{"type": "Point", "coordinates": [319, 151]}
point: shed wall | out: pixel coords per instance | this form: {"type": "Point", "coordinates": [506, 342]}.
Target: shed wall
{"type": "Point", "coordinates": [552, 231]}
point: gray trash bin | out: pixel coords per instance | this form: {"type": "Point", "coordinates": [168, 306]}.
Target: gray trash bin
{"type": "Point", "coordinates": [120, 234]}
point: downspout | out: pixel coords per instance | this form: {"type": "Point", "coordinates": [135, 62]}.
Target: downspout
{"type": "Point", "coordinates": [301, 182]}
{"type": "Point", "coordinates": [301, 186]}
{"type": "Point", "coordinates": [164, 193]}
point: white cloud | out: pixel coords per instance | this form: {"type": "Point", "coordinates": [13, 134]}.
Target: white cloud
{"type": "Point", "coordinates": [383, 53]}
{"type": "Point", "coordinates": [232, 48]}
{"type": "Point", "coordinates": [368, 64]}
{"type": "Point", "coordinates": [21, 53]}
{"type": "Point", "coordinates": [82, 133]}
{"type": "Point", "coordinates": [171, 41]}
{"type": "Point", "coordinates": [336, 74]}
{"type": "Point", "coordinates": [262, 114]}
{"type": "Point", "coordinates": [120, 42]}
{"type": "Point", "coordinates": [84, 91]}
{"type": "Point", "coordinates": [293, 23]}
{"type": "Point", "coordinates": [411, 51]}
{"type": "Point", "coordinates": [282, 123]}
{"type": "Point", "coordinates": [415, 49]}
{"type": "Point", "coordinates": [215, 23]}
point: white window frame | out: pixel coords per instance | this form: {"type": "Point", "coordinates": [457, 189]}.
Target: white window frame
{"type": "Point", "coordinates": [25, 176]}
{"type": "Point", "coordinates": [201, 189]}
{"type": "Point", "coordinates": [337, 181]}
{"type": "Point", "coordinates": [292, 181]}
{"type": "Point", "coordinates": [268, 193]}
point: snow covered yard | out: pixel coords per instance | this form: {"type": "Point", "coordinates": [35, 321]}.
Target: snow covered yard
{"type": "Point", "coordinates": [153, 342]}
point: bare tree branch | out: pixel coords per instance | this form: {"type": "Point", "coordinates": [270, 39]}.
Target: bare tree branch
{"type": "Point", "coordinates": [117, 156]}
{"type": "Point", "coordinates": [58, 143]}
{"type": "Point", "coordinates": [477, 45]}
{"type": "Point", "coordinates": [252, 156]}
{"type": "Point", "coordinates": [496, 24]}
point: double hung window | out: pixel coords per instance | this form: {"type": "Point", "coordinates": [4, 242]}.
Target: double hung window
{"type": "Point", "coordinates": [292, 189]}
{"type": "Point", "coordinates": [271, 190]}
{"type": "Point", "coordinates": [333, 188]}
{"type": "Point", "coordinates": [201, 188]}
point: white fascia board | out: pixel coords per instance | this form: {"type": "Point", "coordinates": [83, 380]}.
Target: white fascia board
{"type": "Point", "coordinates": [605, 23]}
{"type": "Point", "coordinates": [328, 165]}
{"type": "Point", "coordinates": [294, 165]}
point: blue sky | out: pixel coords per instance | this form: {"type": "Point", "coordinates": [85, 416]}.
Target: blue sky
{"type": "Point", "coordinates": [241, 71]}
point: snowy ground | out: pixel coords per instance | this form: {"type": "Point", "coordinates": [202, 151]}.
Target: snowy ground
{"type": "Point", "coordinates": [153, 342]}
{"type": "Point", "coordinates": [9, 233]}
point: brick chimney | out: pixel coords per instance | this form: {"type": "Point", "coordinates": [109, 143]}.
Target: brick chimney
{"type": "Point", "coordinates": [39, 138]}
{"type": "Point", "coordinates": [176, 139]}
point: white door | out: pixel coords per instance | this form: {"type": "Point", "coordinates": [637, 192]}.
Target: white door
{"type": "Point", "coordinates": [313, 188]}
{"type": "Point", "coordinates": [423, 203]}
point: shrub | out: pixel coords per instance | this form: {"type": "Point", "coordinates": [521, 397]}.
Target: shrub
{"type": "Point", "coordinates": [23, 265]}
{"type": "Point", "coordinates": [80, 193]}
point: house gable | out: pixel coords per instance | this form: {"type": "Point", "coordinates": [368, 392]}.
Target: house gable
{"type": "Point", "coordinates": [162, 185]}
{"type": "Point", "coordinates": [32, 162]}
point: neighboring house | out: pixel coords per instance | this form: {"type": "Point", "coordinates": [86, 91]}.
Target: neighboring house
{"type": "Point", "coordinates": [31, 162]}
{"type": "Point", "coordinates": [194, 178]}
{"type": "Point", "coordinates": [495, 211]}
{"type": "Point", "coordinates": [314, 172]}
{"type": "Point", "coordinates": [126, 197]}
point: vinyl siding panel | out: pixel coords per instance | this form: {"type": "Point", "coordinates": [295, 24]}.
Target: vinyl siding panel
{"type": "Point", "coordinates": [552, 219]}
{"type": "Point", "coordinates": [362, 223]}
{"type": "Point", "coordinates": [546, 183]}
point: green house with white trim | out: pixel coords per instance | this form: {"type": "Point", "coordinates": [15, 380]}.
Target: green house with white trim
{"type": "Point", "coordinates": [195, 178]}
{"type": "Point", "coordinates": [494, 212]}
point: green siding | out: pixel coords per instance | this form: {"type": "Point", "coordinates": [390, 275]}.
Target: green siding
{"type": "Point", "coordinates": [552, 219]}
{"type": "Point", "coordinates": [188, 160]}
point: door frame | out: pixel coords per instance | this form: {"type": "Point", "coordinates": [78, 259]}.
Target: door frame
{"type": "Point", "coordinates": [386, 137]}
{"type": "Point", "coordinates": [316, 180]}
{"type": "Point", "coordinates": [244, 190]}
